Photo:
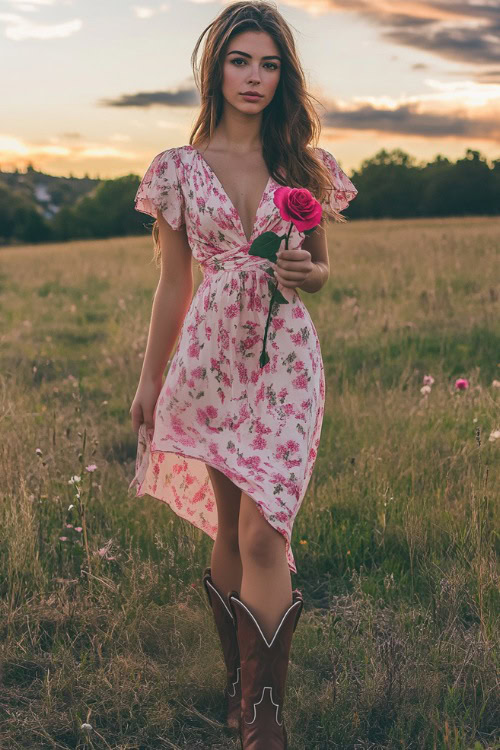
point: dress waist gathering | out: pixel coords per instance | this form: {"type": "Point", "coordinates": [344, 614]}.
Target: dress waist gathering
{"type": "Point", "coordinates": [234, 261]}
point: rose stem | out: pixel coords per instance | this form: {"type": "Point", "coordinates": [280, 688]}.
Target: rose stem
{"type": "Point", "coordinates": [272, 300]}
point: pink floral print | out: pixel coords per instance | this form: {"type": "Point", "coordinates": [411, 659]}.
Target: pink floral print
{"type": "Point", "coordinates": [259, 426]}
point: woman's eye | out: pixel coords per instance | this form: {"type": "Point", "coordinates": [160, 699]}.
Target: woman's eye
{"type": "Point", "coordinates": [240, 59]}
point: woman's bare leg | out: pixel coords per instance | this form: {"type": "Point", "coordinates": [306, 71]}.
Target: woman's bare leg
{"type": "Point", "coordinates": [266, 586]}
{"type": "Point", "coordinates": [226, 561]}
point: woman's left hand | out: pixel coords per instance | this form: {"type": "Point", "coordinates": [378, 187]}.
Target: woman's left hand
{"type": "Point", "coordinates": [292, 267]}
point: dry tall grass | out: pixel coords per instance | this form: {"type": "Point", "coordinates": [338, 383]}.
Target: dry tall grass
{"type": "Point", "coordinates": [396, 543]}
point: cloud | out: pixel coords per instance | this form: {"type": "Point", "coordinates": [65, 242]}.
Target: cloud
{"type": "Point", "coordinates": [16, 151]}
{"type": "Point", "coordinates": [18, 28]}
{"type": "Point", "coordinates": [183, 97]}
{"type": "Point", "coordinates": [406, 119]}
{"type": "Point", "coordinates": [460, 109]}
{"type": "Point", "coordinates": [464, 31]}
{"type": "Point", "coordinates": [34, 5]}
{"type": "Point", "coordinates": [145, 12]}
{"type": "Point", "coordinates": [486, 76]}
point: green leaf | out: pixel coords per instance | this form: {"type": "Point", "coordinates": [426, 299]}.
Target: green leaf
{"type": "Point", "coordinates": [278, 297]}
{"type": "Point", "coordinates": [309, 231]}
{"type": "Point", "coordinates": [264, 359]}
{"type": "Point", "coordinates": [266, 245]}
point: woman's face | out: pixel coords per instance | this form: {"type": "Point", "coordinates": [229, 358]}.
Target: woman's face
{"type": "Point", "coordinates": [252, 63]}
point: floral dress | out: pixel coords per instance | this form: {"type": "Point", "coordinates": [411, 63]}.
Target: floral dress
{"type": "Point", "coordinates": [259, 426]}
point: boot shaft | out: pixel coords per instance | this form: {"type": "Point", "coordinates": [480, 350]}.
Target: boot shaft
{"type": "Point", "coordinates": [226, 628]}
{"type": "Point", "coordinates": [264, 664]}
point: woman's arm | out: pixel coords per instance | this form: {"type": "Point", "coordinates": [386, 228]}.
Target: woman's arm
{"type": "Point", "coordinates": [171, 300]}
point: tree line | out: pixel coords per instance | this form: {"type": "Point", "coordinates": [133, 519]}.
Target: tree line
{"type": "Point", "coordinates": [390, 185]}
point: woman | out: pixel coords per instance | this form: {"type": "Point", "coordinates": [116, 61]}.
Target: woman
{"type": "Point", "coordinates": [228, 444]}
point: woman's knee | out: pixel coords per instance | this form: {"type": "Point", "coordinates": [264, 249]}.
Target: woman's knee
{"type": "Point", "coordinates": [258, 540]}
{"type": "Point", "coordinates": [229, 537]}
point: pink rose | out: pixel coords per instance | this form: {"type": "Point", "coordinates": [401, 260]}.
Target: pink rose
{"type": "Point", "coordinates": [299, 206]}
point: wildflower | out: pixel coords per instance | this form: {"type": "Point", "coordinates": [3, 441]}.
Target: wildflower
{"type": "Point", "coordinates": [103, 551]}
{"type": "Point", "coordinates": [69, 525]}
{"type": "Point", "coordinates": [70, 506]}
{"type": "Point", "coordinates": [496, 384]}
{"type": "Point", "coordinates": [74, 479]}
{"type": "Point", "coordinates": [461, 384]}
{"type": "Point", "coordinates": [91, 467]}
{"type": "Point", "coordinates": [87, 727]}
{"type": "Point", "coordinates": [303, 541]}
{"type": "Point", "coordinates": [63, 538]}
{"type": "Point", "coordinates": [39, 452]}
{"type": "Point", "coordinates": [428, 380]}
{"type": "Point", "coordinates": [495, 435]}
{"type": "Point", "coordinates": [425, 389]}
{"type": "Point", "coordinates": [78, 528]}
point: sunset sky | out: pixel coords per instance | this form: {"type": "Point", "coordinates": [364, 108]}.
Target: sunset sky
{"type": "Point", "coordinates": [101, 86]}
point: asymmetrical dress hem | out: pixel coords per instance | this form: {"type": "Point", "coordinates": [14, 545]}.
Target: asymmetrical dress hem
{"type": "Point", "coordinates": [212, 533]}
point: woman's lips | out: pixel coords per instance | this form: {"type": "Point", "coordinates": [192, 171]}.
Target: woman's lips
{"type": "Point", "coordinates": [251, 97]}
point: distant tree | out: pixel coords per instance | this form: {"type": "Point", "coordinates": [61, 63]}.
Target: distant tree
{"type": "Point", "coordinates": [106, 212]}
{"type": "Point", "coordinates": [464, 188]}
{"type": "Point", "coordinates": [388, 184]}
{"type": "Point", "coordinates": [31, 226]}
{"type": "Point", "coordinates": [7, 217]}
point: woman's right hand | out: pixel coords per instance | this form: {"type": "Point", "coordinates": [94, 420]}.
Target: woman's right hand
{"type": "Point", "coordinates": [143, 405]}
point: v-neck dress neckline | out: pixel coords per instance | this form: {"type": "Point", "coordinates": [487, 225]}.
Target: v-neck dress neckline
{"type": "Point", "coordinates": [248, 240]}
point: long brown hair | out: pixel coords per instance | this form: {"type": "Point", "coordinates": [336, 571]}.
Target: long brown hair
{"type": "Point", "coordinates": [290, 123]}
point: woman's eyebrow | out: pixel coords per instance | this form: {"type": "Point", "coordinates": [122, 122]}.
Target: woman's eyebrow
{"type": "Point", "coordinates": [265, 57]}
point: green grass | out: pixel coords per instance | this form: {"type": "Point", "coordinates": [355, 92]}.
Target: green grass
{"type": "Point", "coordinates": [396, 542]}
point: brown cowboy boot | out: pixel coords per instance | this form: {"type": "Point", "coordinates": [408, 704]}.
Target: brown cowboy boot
{"type": "Point", "coordinates": [264, 668]}
{"type": "Point", "coordinates": [227, 633]}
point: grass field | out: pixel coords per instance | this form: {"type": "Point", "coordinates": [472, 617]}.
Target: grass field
{"type": "Point", "coordinates": [396, 543]}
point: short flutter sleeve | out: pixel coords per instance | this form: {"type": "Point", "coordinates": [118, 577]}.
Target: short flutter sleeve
{"type": "Point", "coordinates": [343, 189]}
{"type": "Point", "coordinates": [161, 190]}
